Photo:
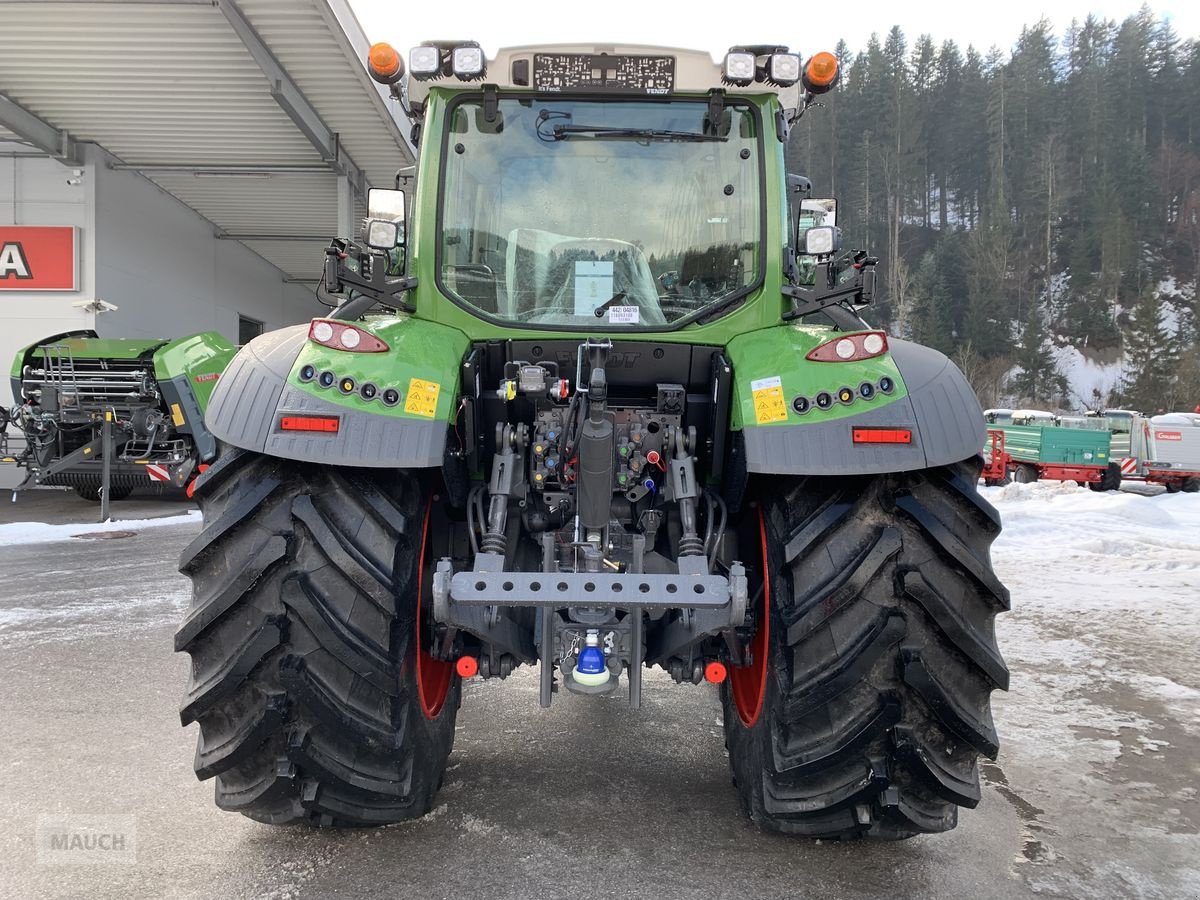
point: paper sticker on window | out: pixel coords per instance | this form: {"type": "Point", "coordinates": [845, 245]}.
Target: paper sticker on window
{"type": "Point", "coordinates": [768, 400]}
{"type": "Point", "coordinates": [593, 286]}
{"type": "Point", "coordinates": [623, 315]}
{"type": "Point", "coordinates": [422, 398]}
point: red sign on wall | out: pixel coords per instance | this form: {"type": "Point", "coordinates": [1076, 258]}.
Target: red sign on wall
{"type": "Point", "coordinates": [36, 258]}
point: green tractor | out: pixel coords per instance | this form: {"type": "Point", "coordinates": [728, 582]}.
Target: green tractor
{"type": "Point", "coordinates": [577, 410]}
{"type": "Point", "coordinates": [151, 392]}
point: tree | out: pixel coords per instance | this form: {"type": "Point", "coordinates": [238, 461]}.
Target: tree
{"type": "Point", "coordinates": [1150, 357]}
{"type": "Point", "coordinates": [1059, 180]}
{"type": "Point", "coordinates": [932, 316]}
{"type": "Point", "coordinates": [1037, 379]}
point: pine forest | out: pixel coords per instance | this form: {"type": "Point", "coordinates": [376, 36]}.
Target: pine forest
{"type": "Point", "coordinates": [1036, 211]}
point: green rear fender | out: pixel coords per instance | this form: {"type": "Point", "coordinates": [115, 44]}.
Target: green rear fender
{"type": "Point", "coordinates": [797, 416]}
{"type": "Point", "coordinates": [278, 377]}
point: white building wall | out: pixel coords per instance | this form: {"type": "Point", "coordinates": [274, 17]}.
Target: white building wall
{"type": "Point", "coordinates": [34, 191]}
{"type": "Point", "coordinates": [140, 249]}
{"type": "Point", "coordinates": [160, 263]}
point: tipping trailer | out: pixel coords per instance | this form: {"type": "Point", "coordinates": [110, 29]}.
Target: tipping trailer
{"type": "Point", "coordinates": [599, 396]}
{"type": "Point", "coordinates": [1174, 452]}
{"type": "Point", "coordinates": [1163, 449]}
{"type": "Point", "coordinates": [149, 395]}
{"type": "Point", "coordinates": [1053, 453]}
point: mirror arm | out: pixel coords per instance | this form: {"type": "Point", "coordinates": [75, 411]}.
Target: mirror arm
{"type": "Point", "coordinates": [806, 301]}
{"type": "Point", "coordinates": [791, 271]}
{"type": "Point", "coordinates": [377, 288]}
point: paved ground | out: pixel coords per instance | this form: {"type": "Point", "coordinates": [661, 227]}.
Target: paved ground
{"type": "Point", "coordinates": [586, 799]}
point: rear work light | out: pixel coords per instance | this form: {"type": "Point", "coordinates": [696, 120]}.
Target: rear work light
{"type": "Point", "coordinates": [344, 336]}
{"type": "Point", "coordinates": [882, 435]}
{"type": "Point", "coordinates": [784, 68]}
{"type": "Point", "coordinates": [740, 67]}
{"type": "Point", "coordinates": [850, 347]}
{"type": "Point", "coordinates": [425, 61]}
{"type": "Point", "coordinates": [467, 62]}
{"type": "Point", "coordinates": [320, 424]}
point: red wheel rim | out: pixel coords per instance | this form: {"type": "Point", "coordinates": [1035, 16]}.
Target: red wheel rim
{"type": "Point", "coordinates": [749, 683]}
{"type": "Point", "coordinates": [433, 675]}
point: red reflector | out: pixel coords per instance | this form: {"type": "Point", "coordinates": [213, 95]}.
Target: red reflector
{"type": "Point", "coordinates": [882, 435]}
{"type": "Point", "coordinates": [324, 424]}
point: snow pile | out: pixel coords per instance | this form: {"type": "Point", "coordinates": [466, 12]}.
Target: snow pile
{"type": "Point", "coordinates": [41, 533]}
{"type": "Point", "coordinates": [1054, 522]}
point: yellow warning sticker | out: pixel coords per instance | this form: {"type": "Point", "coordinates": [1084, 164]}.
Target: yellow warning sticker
{"type": "Point", "coordinates": [422, 398]}
{"type": "Point", "coordinates": [768, 400]}
{"type": "Point", "coordinates": [177, 415]}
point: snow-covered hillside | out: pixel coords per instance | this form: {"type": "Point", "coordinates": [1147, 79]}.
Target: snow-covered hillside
{"type": "Point", "coordinates": [1088, 375]}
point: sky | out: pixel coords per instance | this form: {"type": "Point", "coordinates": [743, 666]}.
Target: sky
{"type": "Point", "coordinates": [714, 27]}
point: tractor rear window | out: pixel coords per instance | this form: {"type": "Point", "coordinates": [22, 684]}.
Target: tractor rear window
{"type": "Point", "coordinates": [587, 214]}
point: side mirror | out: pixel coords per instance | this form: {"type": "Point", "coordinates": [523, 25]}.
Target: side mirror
{"type": "Point", "coordinates": [385, 223]}
{"type": "Point", "coordinates": [824, 211]}
{"type": "Point", "coordinates": [822, 240]}
{"type": "Point", "coordinates": [385, 203]}
{"type": "Point", "coordinates": [809, 215]}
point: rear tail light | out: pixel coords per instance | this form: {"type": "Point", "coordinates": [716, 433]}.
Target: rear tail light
{"type": "Point", "coordinates": [851, 347]}
{"type": "Point", "coordinates": [344, 336]}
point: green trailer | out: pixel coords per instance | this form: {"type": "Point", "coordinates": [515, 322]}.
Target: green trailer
{"type": "Point", "coordinates": [1054, 453]}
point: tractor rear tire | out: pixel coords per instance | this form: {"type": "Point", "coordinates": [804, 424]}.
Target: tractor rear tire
{"type": "Point", "coordinates": [1111, 481]}
{"type": "Point", "coordinates": [316, 701]}
{"type": "Point", "coordinates": [91, 492]}
{"type": "Point", "coordinates": [867, 705]}
{"type": "Point", "coordinates": [1191, 485]}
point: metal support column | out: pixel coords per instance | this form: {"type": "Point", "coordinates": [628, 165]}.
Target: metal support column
{"type": "Point", "coordinates": [345, 209]}
{"type": "Point", "coordinates": [106, 452]}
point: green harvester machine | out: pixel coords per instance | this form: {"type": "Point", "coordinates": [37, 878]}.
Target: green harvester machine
{"type": "Point", "coordinates": [119, 412]}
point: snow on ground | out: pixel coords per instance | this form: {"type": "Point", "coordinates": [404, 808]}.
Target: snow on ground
{"type": "Point", "coordinates": [1092, 565]}
{"type": "Point", "coordinates": [41, 533]}
{"type": "Point", "coordinates": [1103, 711]}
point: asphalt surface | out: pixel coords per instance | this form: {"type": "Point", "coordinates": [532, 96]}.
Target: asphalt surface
{"type": "Point", "coordinates": [588, 799]}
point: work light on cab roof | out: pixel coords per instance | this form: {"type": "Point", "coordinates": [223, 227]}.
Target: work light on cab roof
{"type": "Point", "coordinates": [613, 68]}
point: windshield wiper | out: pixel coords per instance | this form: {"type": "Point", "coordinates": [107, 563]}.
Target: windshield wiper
{"type": "Point", "coordinates": [604, 132]}
{"type": "Point", "coordinates": [603, 307]}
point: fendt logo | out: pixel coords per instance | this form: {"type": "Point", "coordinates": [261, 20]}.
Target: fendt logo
{"type": "Point", "coordinates": [615, 360]}
{"type": "Point", "coordinates": [38, 258]}
{"type": "Point", "coordinates": [13, 262]}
